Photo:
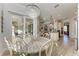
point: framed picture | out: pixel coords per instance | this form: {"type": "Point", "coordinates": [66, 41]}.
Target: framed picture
{"type": "Point", "coordinates": [1, 21]}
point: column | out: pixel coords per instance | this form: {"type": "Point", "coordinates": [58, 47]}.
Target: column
{"type": "Point", "coordinates": [35, 23]}
{"type": "Point", "coordinates": [78, 28]}
{"type": "Point", "coordinates": [24, 28]}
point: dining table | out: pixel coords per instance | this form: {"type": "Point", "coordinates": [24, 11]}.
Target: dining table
{"type": "Point", "coordinates": [35, 44]}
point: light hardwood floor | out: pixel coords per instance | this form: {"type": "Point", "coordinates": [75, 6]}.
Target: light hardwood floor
{"type": "Point", "coordinates": [64, 47]}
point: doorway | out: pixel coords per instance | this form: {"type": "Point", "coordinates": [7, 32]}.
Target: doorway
{"type": "Point", "coordinates": [66, 30]}
{"type": "Point", "coordinates": [66, 33]}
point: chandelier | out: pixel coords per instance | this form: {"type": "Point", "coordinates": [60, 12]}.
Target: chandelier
{"type": "Point", "coordinates": [33, 11]}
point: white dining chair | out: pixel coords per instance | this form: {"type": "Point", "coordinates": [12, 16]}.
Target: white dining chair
{"type": "Point", "coordinates": [22, 47]}
{"type": "Point", "coordinates": [18, 43]}
{"type": "Point", "coordinates": [12, 47]}
{"type": "Point", "coordinates": [9, 46]}
{"type": "Point", "coordinates": [48, 45]}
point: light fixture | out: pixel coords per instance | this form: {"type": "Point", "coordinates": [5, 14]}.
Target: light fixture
{"type": "Point", "coordinates": [33, 11]}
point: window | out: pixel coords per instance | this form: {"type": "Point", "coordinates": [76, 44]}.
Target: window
{"type": "Point", "coordinates": [65, 28]}
{"type": "Point", "coordinates": [28, 26]}
{"type": "Point", "coordinates": [21, 27]}
{"type": "Point", "coordinates": [17, 23]}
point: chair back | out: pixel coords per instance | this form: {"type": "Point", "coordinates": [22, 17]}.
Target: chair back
{"type": "Point", "coordinates": [8, 45]}
{"type": "Point", "coordinates": [48, 45]}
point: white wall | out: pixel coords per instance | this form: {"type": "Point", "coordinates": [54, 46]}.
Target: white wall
{"type": "Point", "coordinates": [78, 30]}
{"type": "Point", "coordinates": [0, 17]}
{"type": "Point", "coordinates": [7, 17]}
{"type": "Point", "coordinates": [72, 28]}
{"type": "Point", "coordinates": [1, 34]}
{"type": "Point", "coordinates": [78, 26]}
{"type": "Point", "coordinates": [7, 21]}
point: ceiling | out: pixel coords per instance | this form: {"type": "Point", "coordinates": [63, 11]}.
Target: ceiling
{"type": "Point", "coordinates": [56, 10]}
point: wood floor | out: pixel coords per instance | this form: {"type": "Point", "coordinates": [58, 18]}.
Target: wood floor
{"type": "Point", "coordinates": [64, 47]}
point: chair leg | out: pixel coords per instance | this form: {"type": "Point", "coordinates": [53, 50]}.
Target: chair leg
{"type": "Point", "coordinates": [46, 52]}
{"type": "Point", "coordinates": [40, 52]}
{"type": "Point", "coordinates": [49, 50]}
{"type": "Point", "coordinates": [11, 53]}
